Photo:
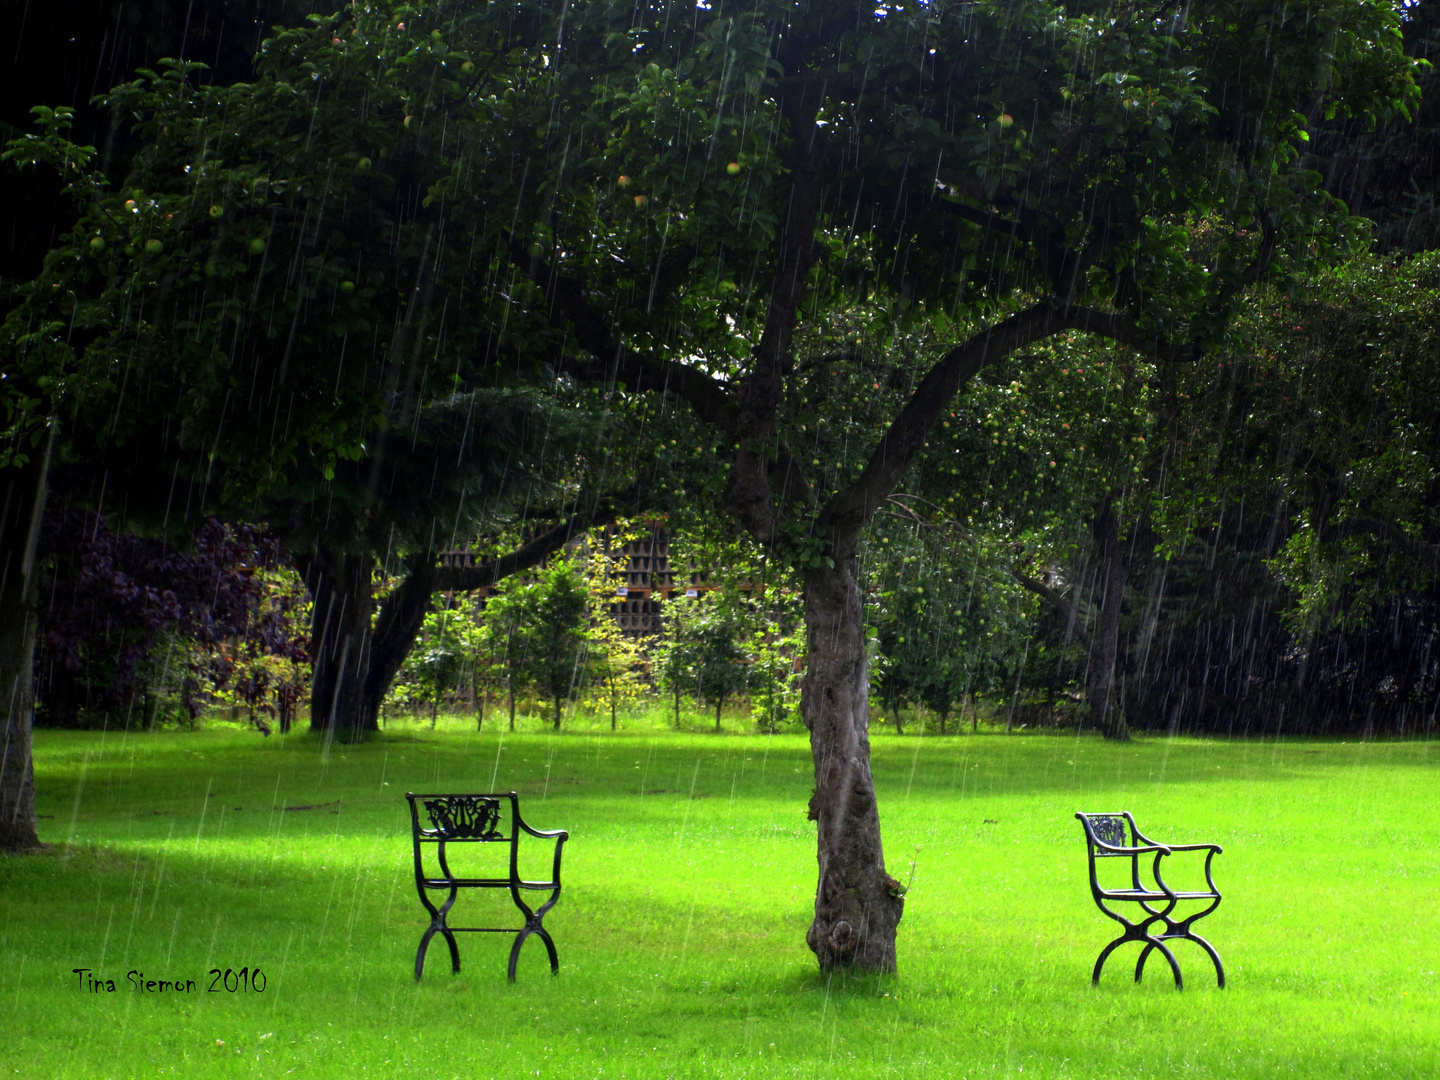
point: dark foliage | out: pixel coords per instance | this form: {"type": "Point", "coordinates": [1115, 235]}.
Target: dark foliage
{"type": "Point", "coordinates": [1390, 172]}
{"type": "Point", "coordinates": [118, 610]}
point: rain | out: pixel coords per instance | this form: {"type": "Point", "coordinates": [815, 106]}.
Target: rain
{"type": "Point", "coordinates": [800, 457]}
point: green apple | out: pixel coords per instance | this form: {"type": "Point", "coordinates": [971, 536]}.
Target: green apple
{"type": "Point", "coordinates": [1006, 120]}
{"type": "Point", "coordinates": [217, 211]}
{"type": "Point", "coordinates": [153, 247]}
{"type": "Point", "coordinates": [97, 243]}
{"type": "Point", "coordinates": [347, 286]}
{"type": "Point", "coordinates": [257, 246]}
{"type": "Point", "coordinates": [733, 168]}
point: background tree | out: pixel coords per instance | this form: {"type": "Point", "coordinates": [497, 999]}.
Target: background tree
{"type": "Point", "coordinates": [720, 662]}
{"type": "Point", "coordinates": [676, 660]}
{"type": "Point", "coordinates": [504, 644]}
{"type": "Point", "coordinates": [614, 660]}
{"type": "Point", "coordinates": [554, 626]}
{"type": "Point", "coordinates": [776, 648]}
{"type": "Point", "coordinates": [435, 667]}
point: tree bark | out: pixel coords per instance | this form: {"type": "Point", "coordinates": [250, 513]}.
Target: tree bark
{"type": "Point", "coordinates": [857, 904]}
{"type": "Point", "coordinates": [355, 661]}
{"type": "Point", "coordinates": [341, 587]}
{"type": "Point", "coordinates": [1105, 640]}
{"type": "Point", "coordinates": [22, 499]}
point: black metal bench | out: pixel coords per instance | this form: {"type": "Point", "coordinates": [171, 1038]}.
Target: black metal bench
{"type": "Point", "coordinates": [1105, 838]}
{"type": "Point", "coordinates": [475, 819]}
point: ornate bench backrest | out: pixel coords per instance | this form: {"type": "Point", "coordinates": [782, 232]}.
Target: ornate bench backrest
{"type": "Point", "coordinates": [1109, 829]}
{"type": "Point", "coordinates": [460, 818]}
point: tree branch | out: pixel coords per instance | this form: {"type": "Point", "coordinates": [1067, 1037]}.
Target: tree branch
{"type": "Point", "coordinates": [463, 579]}
{"type": "Point", "coordinates": [612, 361]}
{"type": "Point", "coordinates": [906, 436]}
{"type": "Point", "coordinates": [1059, 603]}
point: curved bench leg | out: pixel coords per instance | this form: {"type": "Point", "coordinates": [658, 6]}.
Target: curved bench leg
{"type": "Point", "coordinates": [1214, 956]}
{"type": "Point", "coordinates": [515, 951]}
{"type": "Point", "coordinates": [420, 953]}
{"type": "Point", "coordinates": [454, 951]}
{"type": "Point", "coordinates": [1151, 944]}
{"type": "Point", "coordinates": [425, 945]}
{"type": "Point", "coordinates": [544, 936]}
{"type": "Point", "coordinates": [1105, 955]}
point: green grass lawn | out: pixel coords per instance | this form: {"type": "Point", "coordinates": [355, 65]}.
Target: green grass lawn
{"type": "Point", "coordinates": [689, 879]}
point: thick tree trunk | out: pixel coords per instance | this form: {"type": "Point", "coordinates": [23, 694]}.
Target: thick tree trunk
{"type": "Point", "coordinates": [557, 712]}
{"type": "Point", "coordinates": [1105, 640]}
{"type": "Point", "coordinates": [355, 661]}
{"type": "Point", "coordinates": [857, 904]}
{"type": "Point", "coordinates": [22, 498]}
{"type": "Point", "coordinates": [719, 702]}
{"type": "Point", "coordinates": [341, 587]}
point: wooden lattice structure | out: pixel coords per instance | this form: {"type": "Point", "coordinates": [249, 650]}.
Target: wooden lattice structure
{"type": "Point", "coordinates": [648, 578]}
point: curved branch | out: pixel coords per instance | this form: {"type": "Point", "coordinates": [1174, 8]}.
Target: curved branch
{"type": "Point", "coordinates": [906, 437]}
{"type": "Point", "coordinates": [465, 578]}
{"type": "Point", "coordinates": [612, 361]}
{"type": "Point", "coordinates": [1059, 603]}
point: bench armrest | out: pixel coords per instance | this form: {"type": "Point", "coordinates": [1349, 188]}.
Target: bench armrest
{"type": "Point", "coordinates": [1216, 848]}
{"type": "Point", "coordinates": [543, 834]}
{"type": "Point", "coordinates": [1111, 849]}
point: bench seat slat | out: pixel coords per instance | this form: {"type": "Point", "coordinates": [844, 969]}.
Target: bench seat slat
{"type": "Point", "coordinates": [486, 883]}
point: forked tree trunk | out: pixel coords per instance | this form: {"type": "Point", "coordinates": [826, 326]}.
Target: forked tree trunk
{"type": "Point", "coordinates": [1105, 641]}
{"type": "Point", "coordinates": [857, 904]}
{"type": "Point", "coordinates": [358, 654]}
{"type": "Point", "coordinates": [22, 499]}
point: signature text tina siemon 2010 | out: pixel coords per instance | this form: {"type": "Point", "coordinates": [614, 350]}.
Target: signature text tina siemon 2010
{"type": "Point", "coordinates": [227, 980]}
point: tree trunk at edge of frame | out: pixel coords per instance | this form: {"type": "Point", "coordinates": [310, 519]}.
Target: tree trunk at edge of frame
{"type": "Point", "coordinates": [1105, 643]}
{"type": "Point", "coordinates": [22, 499]}
{"type": "Point", "coordinates": [857, 904]}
